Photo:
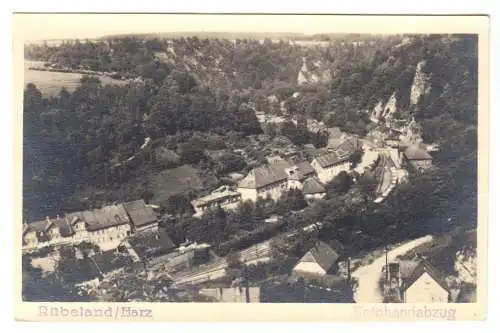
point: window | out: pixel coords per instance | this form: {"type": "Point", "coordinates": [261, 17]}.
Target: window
{"type": "Point", "coordinates": [117, 218]}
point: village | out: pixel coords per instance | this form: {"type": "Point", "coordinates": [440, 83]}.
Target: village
{"type": "Point", "coordinates": [126, 239]}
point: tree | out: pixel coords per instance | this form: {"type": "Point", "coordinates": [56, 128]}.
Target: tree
{"type": "Point", "coordinates": [291, 200]}
{"type": "Point", "coordinates": [339, 185]}
{"type": "Point", "coordinates": [191, 153]}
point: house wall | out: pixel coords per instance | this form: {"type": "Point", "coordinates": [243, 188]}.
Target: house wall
{"type": "Point", "coordinates": [30, 239]}
{"type": "Point", "coordinates": [248, 194]}
{"type": "Point", "coordinates": [106, 239]}
{"type": "Point", "coordinates": [294, 184]}
{"type": "Point", "coordinates": [229, 204]}
{"type": "Point", "coordinates": [309, 268]}
{"type": "Point", "coordinates": [273, 190]}
{"type": "Point", "coordinates": [426, 290]}
{"type": "Point", "coordinates": [315, 196]}
{"type": "Point", "coordinates": [325, 175]}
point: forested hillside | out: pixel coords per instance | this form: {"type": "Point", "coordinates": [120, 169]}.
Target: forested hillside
{"type": "Point", "coordinates": [202, 94]}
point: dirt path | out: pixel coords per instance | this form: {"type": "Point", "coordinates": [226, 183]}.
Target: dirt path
{"type": "Point", "coordinates": [368, 276]}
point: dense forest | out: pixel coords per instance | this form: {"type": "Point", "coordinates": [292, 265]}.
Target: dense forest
{"type": "Point", "coordinates": [201, 94]}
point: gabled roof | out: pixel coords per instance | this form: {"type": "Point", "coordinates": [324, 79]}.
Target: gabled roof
{"type": "Point", "coordinates": [109, 261]}
{"type": "Point", "coordinates": [424, 266]}
{"type": "Point", "coordinates": [332, 158]}
{"type": "Point", "coordinates": [416, 153]}
{"type": "Point", "coordinates": [101, 218]}
{"type": "Point", "coordinates": [322, 254]}
{"type": "Point", "coordinates": [151, 243]}
{"type": "Point", "coordinates": [140, 214]}
{"type": "Point", "coordinates": [265, 175]}
{"type": "Point", "coordinates": [312, 186]}
{"type": "Point", "coordinates": [301, 170]}
{"type": "Point", "coordinates": [44, 225]}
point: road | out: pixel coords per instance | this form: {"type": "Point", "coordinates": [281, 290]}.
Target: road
{"type": "Point", "coordinates": [368, 276]}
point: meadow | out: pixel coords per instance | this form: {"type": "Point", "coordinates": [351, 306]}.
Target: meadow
{"type": "Point", "coordinates": [51, 83]}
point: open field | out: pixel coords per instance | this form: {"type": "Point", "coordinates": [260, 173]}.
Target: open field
{"type": "Point", "coordinates": [50, 83]}
{"type": "Point", "coordinates": [175, 181]}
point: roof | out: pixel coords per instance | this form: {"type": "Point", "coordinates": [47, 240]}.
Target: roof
{"type": "Point", "coordinates": [335, 137]}
{"type": "Point", "coordinates": [265, 175]}
{"type": "Point", "coordinates": [301, 170]}
{"type": "Point", "coordinates": [105, 217]}
{"type": "Point", "coordinates": [312, 185]}
{"type": "Point", "coordinates": [335, 132]}
{"type": "Point", "coordinates": [215, 196]}
{"type": "Point", "coordinates": [411, 276]}
{"type": "Point", "coordinates": [332, 158]}
{"type": "Point", "coordinates": [140, 214]}
{"type": "Point", "coordinates": [416, 153]}
{"type": "Point", "coordinates": [109, 261]}
{"type": "Point", "coordinates": [152, 243]}
{"type": "Point", "coordinates": [322, 254]}
{"type": "Point", "coordinates": [44, 225]}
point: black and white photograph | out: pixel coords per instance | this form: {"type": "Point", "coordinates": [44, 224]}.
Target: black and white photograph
{"type": "Point", "coordinates": [170, 161]}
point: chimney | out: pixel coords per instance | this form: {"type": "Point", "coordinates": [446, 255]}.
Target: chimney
{"type": "Point", "coordinates": [57, 217]}
{"type": "Point", "coordinates": [47, 218]}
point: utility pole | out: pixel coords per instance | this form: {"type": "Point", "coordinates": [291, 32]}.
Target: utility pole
{"type": "Point", "coordinates": [386, 266]}
{"type": "Point", "coordinates": [246, 282]}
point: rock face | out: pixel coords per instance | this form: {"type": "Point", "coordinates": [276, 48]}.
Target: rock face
{"type": "Point", "coordinates": [313, 75]}
{"type": "Point", "coordinates": [384, 112]}
{"type": "Point", "coordinates": [390, 107]}
{"type": "Point", "coordinates": [412, 132]}
{"type": "Point", "coordinates": [420, 86]}
{"type": "Point", "coordinates": [377, 112]}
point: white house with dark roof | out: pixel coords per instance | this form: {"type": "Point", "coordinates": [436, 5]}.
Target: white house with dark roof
{"type": "Point", "coordinates": [274, 179]}
{"type": "Point", "coordinates": [313, 189]}
{"type": "Point", "coordinates": [329, 165]}
{"type": "Point", "coordinates": [418, 282]}
{"type": "Point", "coordinates": [106, 227]}
{"type": "Point", "coordinates": [267, 180]}
{"type": "Point", "coordinates": [319, 260]}
{"type": "Point", "coordinates": [417, 157]}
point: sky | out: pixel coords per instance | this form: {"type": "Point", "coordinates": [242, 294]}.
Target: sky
{"type": "Point", "coordinates": [60, 26]}
{"type": "Point", "coordinates": [35, 27]}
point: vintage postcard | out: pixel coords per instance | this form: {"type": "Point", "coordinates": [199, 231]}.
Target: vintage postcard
{"type": "Point", "coordinates": [177, 167]}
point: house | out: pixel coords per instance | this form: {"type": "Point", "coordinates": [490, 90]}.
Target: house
{"type": "Point", "coordinates": [93, 269]}
{"type": "Point", "coordinates": [225, 199]}
{"type": "Point", "coordinates": [319, 260]}
{"type": "Point", "coordinates": [267, 180]}
{"type": "Point", "coordinates": [47, 231]}
{"type": "Point", "coordinates": [151, 243]}
{"type": "Point", "coordinates": [329, 165]}
{"type": "Point", "coordinates": [141, 216]}
{"type": "Point", "coordinates": [236, 294]}
{"type": "Point", "coordinates": [106, 227]}
{"type": "Point", "coordinates": [313, 189]}
{"type": "Point", "coordinates": [186, 256]}
{"type": "Point", "coordinates": [418, 282]}
{"type": "Point", "coordinates": [417, 158]}
{"type": "Point", "coordinates": [274, 179]}
{"type": "Point", "coordinates": [298, 173]}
